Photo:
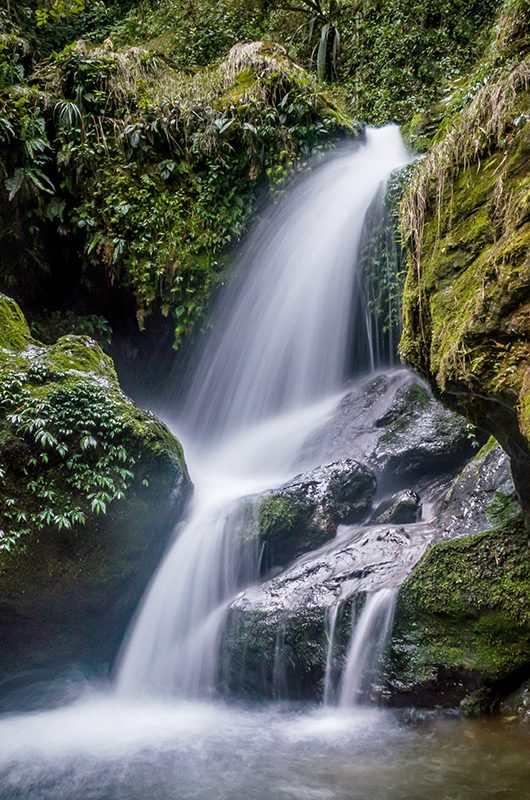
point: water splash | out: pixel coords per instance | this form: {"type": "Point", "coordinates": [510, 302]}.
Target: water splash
{"type": "Point", "coordinates": [332, 616]}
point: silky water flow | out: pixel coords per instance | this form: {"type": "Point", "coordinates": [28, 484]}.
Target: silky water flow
{"type": "Point", "coordinates": [267, 375]}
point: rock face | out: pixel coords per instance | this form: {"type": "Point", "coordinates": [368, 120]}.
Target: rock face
{"type": "Point", "coordinates": [280, 626]}
{"type": "Point", "coordinates": [479, 493]}
{"type": "Point", "coordinates": [467, 295]}
{"type": "Point", "coordinates": [91, 487]}
{"type": "Point", "coordinates": [451, 638]}
{"type": "Point", "coordinates": [306, 512]}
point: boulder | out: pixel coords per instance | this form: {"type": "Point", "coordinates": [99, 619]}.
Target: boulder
{"type": "Point", "coordinates": [393, 424]}
{"type": "Point", "coordinates": [90, 488]}
{"type": "Point", "coordinates": [304, 513]}
{"type": "Point", "coordinates": [403, 507]}
{"type": "Point", "coordinates": [460, 633]}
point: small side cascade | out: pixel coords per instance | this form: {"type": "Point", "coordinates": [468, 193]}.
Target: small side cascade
{"type": "Point", "coordinates": [370, 635]}
{"type": "Point", "coordinates": [279, 670]}
{"type": "Point", "coordinates": [332, 618]}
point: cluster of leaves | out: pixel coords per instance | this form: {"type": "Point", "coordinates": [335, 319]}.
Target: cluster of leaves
{"type": "Point", "coordinates": [65, 455]}
{"type": "Point", "coordinates": [54, 10]}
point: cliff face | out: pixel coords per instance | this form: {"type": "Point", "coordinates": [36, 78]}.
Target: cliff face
{"type": "Point", "coordinates": [466, 220]}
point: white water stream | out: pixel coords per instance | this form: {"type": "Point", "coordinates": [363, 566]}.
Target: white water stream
{"type": "Point", "coordinates": [269, 374]}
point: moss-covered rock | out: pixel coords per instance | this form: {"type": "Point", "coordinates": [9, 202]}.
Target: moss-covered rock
{"type": "Point", "coordinates": [83, 471]}
{"type": "Point", "coordinates": [462, 621]}
{"type": "Point", "coordinates": [14, 330]}
{"type": "Point", "coordinates": [305, 513]}
{"type": "Point", "coordinates": [467, 293]}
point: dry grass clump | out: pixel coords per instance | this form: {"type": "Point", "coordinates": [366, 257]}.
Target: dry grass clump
{"type": "Point", "coordinates": [263, 58]}
{"type": "Point", "coordinates": [476, 131]}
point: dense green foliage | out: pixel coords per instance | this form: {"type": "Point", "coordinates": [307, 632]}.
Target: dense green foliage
{"type": "Point", "coordinates": [145, 172]}
{"type": "Point", "coordinates": [71, 443]}
{"type": "Point", "coordinates": [393, 57]}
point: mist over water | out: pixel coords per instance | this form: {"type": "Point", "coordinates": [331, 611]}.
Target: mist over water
{"type": "Point", "coordinates": [104, 748]}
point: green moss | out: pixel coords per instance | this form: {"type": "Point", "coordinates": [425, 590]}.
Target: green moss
{"type": "Point", "coordinates": [279, 517]}
{"type": "Point", "coordinates": [14, 330]}
{"type": "Point", "coordinates": [81, 354]}
{"type": "Point", "coordinates": [490, 445]}
{"type": "Point", "coordinates": [465, 608]}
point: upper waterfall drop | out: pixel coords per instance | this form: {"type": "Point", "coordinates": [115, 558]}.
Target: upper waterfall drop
{"type": "Point", "coordinates": [280, 330]}
{"type": "Point", "coordinates": [266, 376]}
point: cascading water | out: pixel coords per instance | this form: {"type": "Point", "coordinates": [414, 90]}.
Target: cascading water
{"type": "Point", "coordinates": [369, 637]}
{"type": "Point", "coordinates": [268, 374]}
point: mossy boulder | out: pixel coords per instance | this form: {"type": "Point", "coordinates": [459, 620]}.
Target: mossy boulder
{"type": "Point", "coordinates": [462, 621]}
{"type": "Point", "coordinates": [306, 512]}
{"type": "Point", "coordinates": [90, 487]}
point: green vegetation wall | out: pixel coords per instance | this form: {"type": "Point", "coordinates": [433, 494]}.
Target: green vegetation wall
{"type": "Point", "coordinates": [134, 152]}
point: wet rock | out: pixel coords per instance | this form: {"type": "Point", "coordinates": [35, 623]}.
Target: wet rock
{"type": "Point", "coordinates": [393, 424]}
{"type": "Point", "coordinates": [459, 621]}
{"type": "Point", "coordinates": [403, 507]}
{"type": "Point", "coordinates": [475, 498]}
{"type": "Point", "coordinates": [305, 513]}
{"type": "Point", "coordinates": [279, 628]}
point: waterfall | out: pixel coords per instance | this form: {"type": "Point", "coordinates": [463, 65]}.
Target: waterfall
{"type": "Point", "coordinates": [370, 635]}
{"type": "Point", "coordinates": [268, 373]}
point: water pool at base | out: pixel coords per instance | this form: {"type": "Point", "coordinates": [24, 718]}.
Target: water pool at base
{"type": "Point", "coordinates": [103, 748]}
